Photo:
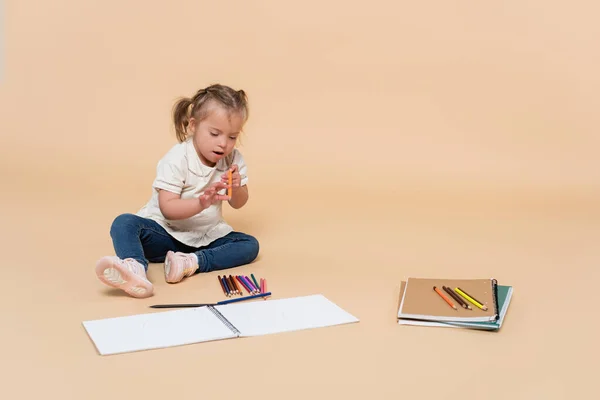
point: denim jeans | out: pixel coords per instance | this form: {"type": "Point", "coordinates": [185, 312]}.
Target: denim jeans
{"type": "Point", "coordinates": [146, 241]}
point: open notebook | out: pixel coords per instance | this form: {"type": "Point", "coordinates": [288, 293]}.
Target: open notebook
{"type": "Point", "coordinates": [504, 299]}
{"type": "Point", "coordinates": [203, 324]}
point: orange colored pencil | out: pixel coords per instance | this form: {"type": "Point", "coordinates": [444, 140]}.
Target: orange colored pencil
{"type": "Point", "coordinates": [229, 188]}
{"type": "Point", "coordinates": [451, 304]}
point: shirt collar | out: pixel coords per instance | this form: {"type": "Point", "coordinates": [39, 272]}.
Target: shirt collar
{"type": "Point", "coordinates": [196, 166]}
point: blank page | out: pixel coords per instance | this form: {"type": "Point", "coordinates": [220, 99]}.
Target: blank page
{"type": "Point", "coordinates": [156, 330]}
{"type": "Point", "coordinates": [264, 317]}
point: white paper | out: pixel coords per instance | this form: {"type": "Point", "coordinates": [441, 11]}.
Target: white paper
{"type": "Point", "coordinates": [156, 330]}
{"type": "Point", "coordinates": [284, 315]}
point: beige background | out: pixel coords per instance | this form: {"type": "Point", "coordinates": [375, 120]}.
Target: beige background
{"type": "Point", "coordinates": [466, 137]}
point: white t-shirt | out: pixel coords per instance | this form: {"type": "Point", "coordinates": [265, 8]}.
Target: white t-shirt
{"type": "Point", "coordinates": [181, 171]}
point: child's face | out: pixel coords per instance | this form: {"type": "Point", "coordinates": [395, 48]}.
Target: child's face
{"type": "Point", "coordinates": [216, 135]}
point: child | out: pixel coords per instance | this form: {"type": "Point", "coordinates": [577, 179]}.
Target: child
{"type": "Point", "coordinates": [182, 224]}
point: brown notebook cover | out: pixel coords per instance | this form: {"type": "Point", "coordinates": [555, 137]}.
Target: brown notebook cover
{"type": "Point", "coordinates": [420, 301]}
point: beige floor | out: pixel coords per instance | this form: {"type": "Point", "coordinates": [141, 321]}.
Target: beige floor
{"type": "Point", "coordinates": [467, 140]}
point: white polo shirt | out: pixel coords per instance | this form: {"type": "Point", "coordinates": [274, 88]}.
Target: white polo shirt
{"type": "Point", "coordinates": [182, 172]}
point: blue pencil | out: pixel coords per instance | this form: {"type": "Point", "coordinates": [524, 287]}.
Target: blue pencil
{"type": "Point", "coordinates": [211, 304]}
{"type": "Point", "coordinates": [244, 298]}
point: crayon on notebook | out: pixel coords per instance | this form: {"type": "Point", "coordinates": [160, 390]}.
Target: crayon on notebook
{"type": "Point", "coordinates": [222, 286]}
{"type": "Point", "coordinates": [456, 297]}
{"type": "Point", "coordinates": [443, 296]}
{"type": "Point", "coordinates": [471, 299]}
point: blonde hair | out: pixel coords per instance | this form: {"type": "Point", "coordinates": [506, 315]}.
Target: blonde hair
{"type": "Point", "coordinates": [197, 106]}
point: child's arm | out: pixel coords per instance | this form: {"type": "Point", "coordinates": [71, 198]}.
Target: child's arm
{"type": "Point", "coordinates": [173, 207]}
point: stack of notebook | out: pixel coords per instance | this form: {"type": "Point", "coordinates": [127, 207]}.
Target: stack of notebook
{"type": "Point", "coordinates": [457, 303]}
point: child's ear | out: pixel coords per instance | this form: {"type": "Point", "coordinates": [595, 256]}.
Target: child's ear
{"type": "Point", "coordinates": [192, 124]}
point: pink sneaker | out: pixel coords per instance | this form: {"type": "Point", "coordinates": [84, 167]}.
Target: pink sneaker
{"type": "Point", "coordinates": [179, 265]}
{"type": "Point", "coordinates": [127, 275]}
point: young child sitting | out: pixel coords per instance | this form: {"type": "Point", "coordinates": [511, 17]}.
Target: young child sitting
{"type": "Point", "coordinates": [182, 224]}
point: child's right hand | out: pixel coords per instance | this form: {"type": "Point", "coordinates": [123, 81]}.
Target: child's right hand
{"type": "Point", "coordinates": [210, 195]}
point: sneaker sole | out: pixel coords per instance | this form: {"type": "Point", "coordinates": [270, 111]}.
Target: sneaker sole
{"type": "Point", "coordinates": [113, 274]}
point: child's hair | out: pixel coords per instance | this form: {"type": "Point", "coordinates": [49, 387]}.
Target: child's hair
{"type": "Point", "coordinates": [198, 106]}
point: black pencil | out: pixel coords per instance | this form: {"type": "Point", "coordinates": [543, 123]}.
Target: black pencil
{"type": "Point", "coordinates": [456, 297]}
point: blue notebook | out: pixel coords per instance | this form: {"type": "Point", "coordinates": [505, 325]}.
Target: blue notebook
{"type": "Point", "coordinates": [504, 298]}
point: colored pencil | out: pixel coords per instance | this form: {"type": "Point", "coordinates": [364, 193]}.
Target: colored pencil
{"type": "Point", "coordinates": [248, 283]}
{"type": "Point", "coordinates": [443, 296]}
{"type": "Point", "coordinates": [226, 286]}
{"type": "Point", "coordinates": [237, 288]}
{"type": "Point", "coordinates": [211, 304]}
{"type": "Point", "coordinates": [255, 296]}
{"type": "Point", "coordinates": [456, 297]}
{"type": "Point", "coordinates": [255, 282]}
{"type": "Point", "coordinates": [256, 289]}
{"type": "Point", "coordinates": [230, 279]}
{"type": "Point", "coordinates": [262, 285]}
{"type": "Point", "coordinates": [230, 180]}
{"type": "Point", "coordinates": [222, 286]}
{"type": "Point", "coordinates": [470, 298]}
{"type": "Point", "coordinates": [239, 278]}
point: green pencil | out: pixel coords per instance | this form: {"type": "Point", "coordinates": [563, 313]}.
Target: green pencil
{"type": "Point", "coordinates": [256, 283]}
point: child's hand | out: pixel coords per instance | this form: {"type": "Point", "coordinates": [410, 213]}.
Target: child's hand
{"type": "Point", "coordinates": [210, 195]}
{"type": "Point", "coordinates": [236, 179]}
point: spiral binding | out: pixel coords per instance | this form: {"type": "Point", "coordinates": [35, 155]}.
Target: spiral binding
{"type": "Point", "coordinates": [224, 320]}
{"type": "Point", "coordinates": [495, 294]}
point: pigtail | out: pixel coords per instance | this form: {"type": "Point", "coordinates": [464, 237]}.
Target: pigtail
{"type": "Point", "coordinates": [185, 108]}
{"type": "Point", "coordinates": [181, 117]}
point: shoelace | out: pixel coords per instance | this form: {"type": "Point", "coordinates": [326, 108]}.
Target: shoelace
{"type": "Point", "coordinates": [133, 266]}
{"type": "Point", "coordinates": [188, 263]}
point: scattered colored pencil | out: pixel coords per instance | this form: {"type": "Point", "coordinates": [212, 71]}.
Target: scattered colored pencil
{"type": "Point", "coordinates": [475, 302]}
{"type": "Point", "coordinates": [234, 284]}
{"type": "Point", "coordinates": [255, 282]}
{"type": "Point", "coordinates": [443, 296]}
{"type": "Point", "coordinates": [456, 297]}
{"type": "Point", "coordinates": [226, 286]}
{"type": "Point", "coordinates": [239, 278]}
{"type": "Point", "coordinates": [222, 286]}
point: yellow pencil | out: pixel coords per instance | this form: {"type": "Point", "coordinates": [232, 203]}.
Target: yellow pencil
{"type": "Point", "coordinates": [470, 299]}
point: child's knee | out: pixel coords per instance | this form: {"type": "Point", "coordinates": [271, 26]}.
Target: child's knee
{"type": "Point", "coordinates": [254, 247]}
{"type": "Point", "coordinates": [121, 222]}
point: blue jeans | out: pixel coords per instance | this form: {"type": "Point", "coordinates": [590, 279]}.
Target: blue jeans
{"type": "Point", "coordinates": [146, 241]}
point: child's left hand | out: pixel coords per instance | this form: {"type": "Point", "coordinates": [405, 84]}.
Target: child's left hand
{"type": "Point", "coordinates": [236, 179]}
